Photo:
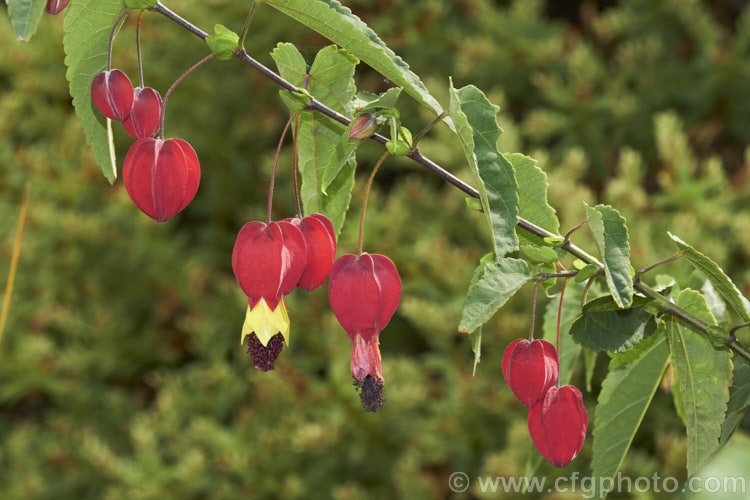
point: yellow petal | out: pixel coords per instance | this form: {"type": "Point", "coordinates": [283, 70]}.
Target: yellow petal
{"type": "Point", "coordinates": [266, 323]}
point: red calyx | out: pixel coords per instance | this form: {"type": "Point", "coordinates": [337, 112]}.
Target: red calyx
{"type": "Point", "coordinates": [268, 260]}
{"type": "Point", "coordinates": [364, 292]}
{"type": "Point", "coordinates": [161, 177]}
{"type": "Point", "coordinates": [112, 94]}
{"type": "Point", "coordinates": [54, 7]}
{"type": "Point", "coordinates": [145, 115]}
{"type": "Point", "coordinates": [530, 369]}
{"type": "Point", "coordinates": [320, 242]}
{"type": "Point", "coordinates": [558, 424]}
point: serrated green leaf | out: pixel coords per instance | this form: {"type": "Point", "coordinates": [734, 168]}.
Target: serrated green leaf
{"type": "Point", "coordinates": [493, 284]}
{"type": "Point", "coordinates": [704, 374]}
{"type": "Point", "coordinates": [569, 350]}
{"type": "Point", "coordinates": [476, 346]}
{"type": "Point", "coordinates": [679, 403]}
{"type": "Point", "coordinates": [295, 101]}
{"type": "Point", "coordinates": [140, 4]}
{"type": "Point", "coordinates": [478, 132]}
{"type": "Point", "coordinates": [739, 400]}
{"type": "Point", "coordinates": [338, 24]}
{"type": "Point", "coordinates": [24, 17]}
{"type": "Point", "coordinates": [604, 326]}
{"type": "Point", "coordinates": [724, 286]}
{"type": "Point", "coordinates": [589, 358]}
{"type": "Point", "coordinates": [611, 238]}
{"type": "Point", "coordinates": [532, 199]}
{"type": "Point", "coordinates": [319, 138]}
{"type": "Point", "coordinates": [344, 154]}
{"type": "Point", "coordinates": [367, 102]}
{"type": "Point", "coordinates": [223, 43]}
{"type": "Point", "coordinates": [88, 24]}
{"type": "Point", "coordinates": [586, 272]}
{"type": "Point", "coordinates": [624, 398]}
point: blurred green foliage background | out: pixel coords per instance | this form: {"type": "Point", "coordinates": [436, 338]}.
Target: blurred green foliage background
{"type": "Point", "coordinates": [121, 376]}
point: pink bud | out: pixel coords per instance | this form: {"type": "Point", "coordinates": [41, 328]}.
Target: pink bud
{"type": "Point", "coordinates": [54, 7]}
{"type": "Point", "coordinates": [145, 116]}
{"type": "Point", "coordinates": [362, 127]}
{"type": "Point", "coordinates": [112, 94]}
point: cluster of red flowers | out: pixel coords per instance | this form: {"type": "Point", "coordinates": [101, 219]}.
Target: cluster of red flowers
{"type": "Point", "coordinates": [557, 417]}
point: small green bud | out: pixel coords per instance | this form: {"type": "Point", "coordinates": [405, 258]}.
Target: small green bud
{"type": "Point", "coordinates": [223, 43]}
{"type": "Point", "coordinates": [363, 127]}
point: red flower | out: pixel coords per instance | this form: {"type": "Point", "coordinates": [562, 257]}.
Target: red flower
{"type": "Point", "coordinates": [145, 116]}
{"type": "Point", "coordinates": [364, 292]}
{"type": "Point", "coordinates": [112, 94]}
{"type": "Point", "coordinates": [161, 177]}
{"type": "Point", "coordinates": [530, 368]}
{"type": "Point", "coordinates": [558, 423]}
{"type": "Point", "coordinates": [268, 261]}
{"type": "Point", "coordinates": [320, 242]}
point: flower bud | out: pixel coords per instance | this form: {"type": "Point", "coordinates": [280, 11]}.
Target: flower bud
{"type": "Point", "coordinates": [161, 177]}
{"type": "Point", "coordinates": [558, 424]}
{"type": "Point", "coordinates": [112, 94]}
{"type": "Point", "coordinates": [530, 368]}
{"type": "Point", "coordinates": [54, 7]}
{"type": "Point", "coordinates": [145, 115]}
{"type": "Point", "coordinates": [362, 127]}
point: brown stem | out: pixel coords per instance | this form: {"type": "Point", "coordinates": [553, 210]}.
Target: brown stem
{"type": "Point", "coordinates": [273, 170]}
{"type": "Point", "coordinates": [294, 168]}
{"type": "Point", "coordinates": [364, 202]}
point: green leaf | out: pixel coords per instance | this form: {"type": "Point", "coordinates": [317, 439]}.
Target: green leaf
{"type": "Point", "coordinates": [24, 17]}
{"type": "Point", "coordinates": [321, 141]}
{"type": "Point", "coordinates": [223, 43]}
{"type": "Point", "coordinates": [586, 272]}
{"type": "Point", "coordinates": [589, 358]}
{"type": "Point", "coordinates": [532, 198]}
{"type": "Point", "coordinates": [716, 276]}
{"type": "Point", "coordinates": [739, 400]}
{"type": "Point", "coordinates": [401, 144]}
{"type": "Point", "coordinates": [343, 155]}
{"type": "Point", "coordinates": [367, 102]}
{"type": "Point", "coordinates": [88, 24]}
{"type": "Point", "coordinates": [624, 398]}
{"type": "Point", "coordinates": [478, 132]}
{"type": "Point", "coordinates": [140, 4]}
{"type": "Point", "coordinates": [679, 403]}
{"type": "Point", "coordinates": [534, 253]}
{"type": "Point", "coordinates": [338, 24]}
{"type": "Point", "coordinates": [493, 284]}
{"type": "Point", "coordinates": [704, 375]}
{"type": "Point", "coordinates": [295, 101]}
{"type": "Point", "coordinates": [611, 238]}
{"type": "Point", "coordinates": [604, 326]}
{"type": "Point", "coordinates": [476, 347]}
{"type": "Point", "coordinates": [569, 350]}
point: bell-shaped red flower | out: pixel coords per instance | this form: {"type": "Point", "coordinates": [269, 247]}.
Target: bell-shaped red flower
{"type": "Point", "coordinates": [268, 261]}
{"type": "Point", "coordinates": [161, 177]}
{"type": "Point", "coordinates": [320, 242]}
{"type": "Point", "coordinates": [530, 368]}
{"type": "Point", "coordinates": [145, 115]}
{"type": "Point", "coordinates": [54, 7]}
{"type": "Point", "coordinates": [112, 94]}
{"type": "Point", "coordinates": [364, 292]}
{"type": "Point", "coordinates": [558, 423]}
